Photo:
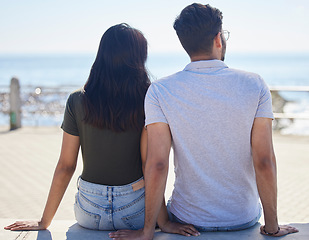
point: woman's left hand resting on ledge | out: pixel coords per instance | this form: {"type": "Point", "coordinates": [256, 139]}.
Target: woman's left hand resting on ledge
{"type": "Point", "coordinates": [26, 225]}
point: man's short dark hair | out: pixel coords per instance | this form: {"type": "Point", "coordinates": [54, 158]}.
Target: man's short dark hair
{"type": "Point", "coordinates": [196, 27]}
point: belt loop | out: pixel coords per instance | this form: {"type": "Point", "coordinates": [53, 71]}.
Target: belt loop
{"type": "Point", "coordinates": [77, 183]}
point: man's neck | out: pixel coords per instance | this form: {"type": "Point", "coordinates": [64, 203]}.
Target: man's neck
{"type": "Point", "coordinates": [203, 58]}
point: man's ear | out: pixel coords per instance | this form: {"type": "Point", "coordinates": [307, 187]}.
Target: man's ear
{"type": "Point", "coordinates": [218, 40]}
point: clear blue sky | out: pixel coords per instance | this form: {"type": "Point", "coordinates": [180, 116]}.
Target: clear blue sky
{"type": "Point", "coordinates": [65, 26]}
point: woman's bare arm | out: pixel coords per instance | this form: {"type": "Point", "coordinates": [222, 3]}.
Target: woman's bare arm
{"type": "Point", "coordinates": [62, 176]}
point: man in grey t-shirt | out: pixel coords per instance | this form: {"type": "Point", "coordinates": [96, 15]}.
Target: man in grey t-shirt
{"type": "Point", "coordinates": [219, 122]}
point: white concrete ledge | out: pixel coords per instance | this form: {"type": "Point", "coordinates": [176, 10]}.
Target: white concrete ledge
{"type": "Point", "coordinates": [70, 230]}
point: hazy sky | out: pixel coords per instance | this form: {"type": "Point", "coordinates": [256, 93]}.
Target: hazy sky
{"type": "Point", "coordinates": [65, 26]}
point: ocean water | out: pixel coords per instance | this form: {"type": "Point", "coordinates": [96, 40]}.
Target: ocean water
{"type": "Point", "coordinates": [57, 70]}
{"type": "Point", "coordinates": [65, 73]}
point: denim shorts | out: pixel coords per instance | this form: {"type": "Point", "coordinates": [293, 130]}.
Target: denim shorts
{"type": "Point", "coordinates": [102, 207]}
{"type": "Point", "coordinates": [249, 224]}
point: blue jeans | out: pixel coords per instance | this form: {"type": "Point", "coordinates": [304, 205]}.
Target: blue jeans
{"type": "Point", "coordinates": [103, 207]}
{"type": "Point", "coordinates": [249, 224]}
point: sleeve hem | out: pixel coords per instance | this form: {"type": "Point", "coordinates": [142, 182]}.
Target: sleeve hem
{"type": "Point", "coordinates": [155, 121]}
{"type": "Point", "coordinates": [71, 132]}
{"type": "Point", "coordinates": [265, 116]}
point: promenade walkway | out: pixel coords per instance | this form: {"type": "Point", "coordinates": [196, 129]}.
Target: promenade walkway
{"type": "Point", "coordinates": [28, 157]}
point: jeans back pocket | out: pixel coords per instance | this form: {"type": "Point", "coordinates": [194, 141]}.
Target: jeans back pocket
{"type": "Point", "coordinates": [85, 218]}
{"type": "Point", "coordinates": [135, 220]}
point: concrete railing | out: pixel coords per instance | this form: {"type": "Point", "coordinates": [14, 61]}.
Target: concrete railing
{"type": "Point", "coordinates": [28, 104]}
{"type": "Point", "coordinates": [32, 103]}
{"type": "Point", "coordinates": [284, 115]}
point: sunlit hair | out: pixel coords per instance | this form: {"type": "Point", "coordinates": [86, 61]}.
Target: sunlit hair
{"type": "Point", "coordinates": [196, 27]}
{"type": "Point", "coordinates": [115, 91]}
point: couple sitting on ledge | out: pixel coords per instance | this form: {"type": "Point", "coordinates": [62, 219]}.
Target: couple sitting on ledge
{"type": "Point", "coordinates": [217, 119]}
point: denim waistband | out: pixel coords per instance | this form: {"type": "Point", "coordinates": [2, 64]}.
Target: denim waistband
{"type": "Point", "coordinates": [100, 189]}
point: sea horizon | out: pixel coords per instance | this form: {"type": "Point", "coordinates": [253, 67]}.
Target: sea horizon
{"type": "Point", "coordinates": [159, 64]}
{"type": "Point", "coordinates": [68, 71]}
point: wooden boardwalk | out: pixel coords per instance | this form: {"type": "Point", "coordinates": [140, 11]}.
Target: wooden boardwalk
{"type": "Point", "coordinates": [28, 157]}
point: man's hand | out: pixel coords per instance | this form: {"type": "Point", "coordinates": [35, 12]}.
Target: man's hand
{"type": "Point", "coordinates": [284, 230]}
{"type": "Point", "coordinates": [178, 228]}
{"type": "Point", "coordinates": [130, 234]}
{"type": "Point", "coordinates": [26, 225]}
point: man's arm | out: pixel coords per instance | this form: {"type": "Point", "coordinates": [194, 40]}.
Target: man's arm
{"type": "Point", "coordinates": [163, 220]}
{"type": "Point", "coordinates": [156, 171]}
{"type": "Point", "coordinates": [266, 176]}
{"type": "Point", "coordinates": [173, 227]}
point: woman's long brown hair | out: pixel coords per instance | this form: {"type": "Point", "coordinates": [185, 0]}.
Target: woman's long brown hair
{"type": "Point", "coordinates": [115, 91]}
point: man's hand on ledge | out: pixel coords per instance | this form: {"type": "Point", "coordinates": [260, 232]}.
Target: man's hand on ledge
{"type": "Point", "coordinates": [284, 230]}
{"type": "Point", "coordinates": [178, 228]}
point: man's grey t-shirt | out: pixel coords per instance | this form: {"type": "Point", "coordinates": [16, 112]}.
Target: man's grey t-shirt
{"type": "Point", "coordinates": [210, 110]}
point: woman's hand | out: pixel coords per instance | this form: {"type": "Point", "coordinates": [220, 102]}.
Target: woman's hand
{"type": "Point", "coordinates": [178, 228]}
{"type": "Point", "coordinates": [284, 230]}
{"type": "Point", "coordinates": [26, 225]}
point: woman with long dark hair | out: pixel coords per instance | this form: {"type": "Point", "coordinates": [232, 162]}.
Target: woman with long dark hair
{"type": "Point", "coordinates": [106, 120]}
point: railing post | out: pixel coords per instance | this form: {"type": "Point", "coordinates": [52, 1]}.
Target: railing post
{"type": "Point", "coordinates": [15, 104]}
